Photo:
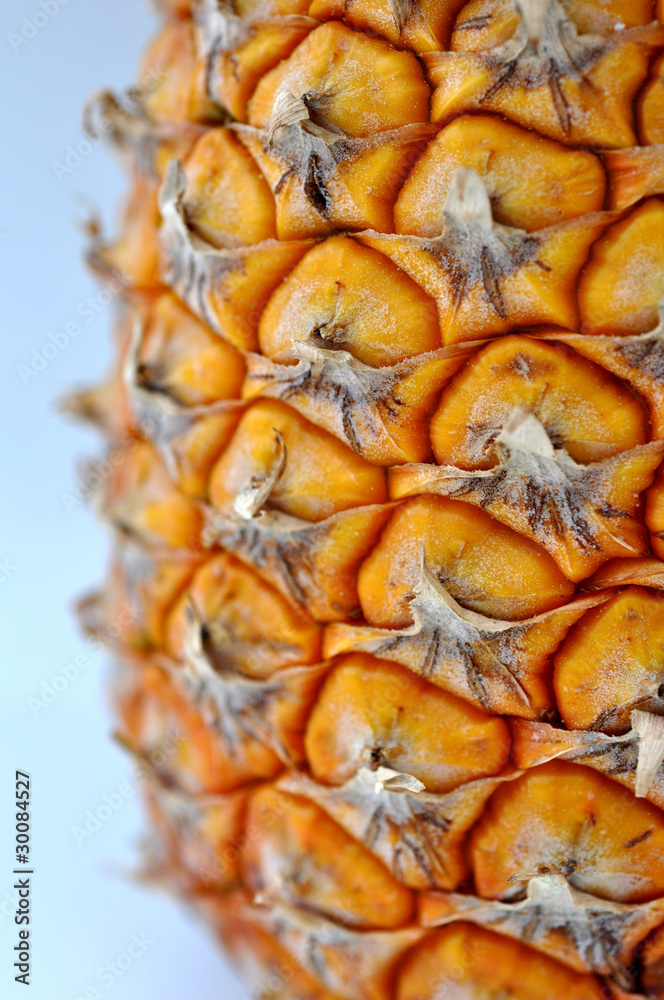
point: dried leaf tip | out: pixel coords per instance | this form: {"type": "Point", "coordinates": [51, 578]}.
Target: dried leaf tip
{"type": "Point", "coordinates": [523, 431]}
{"type": "Point", "coordinates": [290, 110]}
{"type": "Point", "coordinates": [252, 497]}
{"type": "Point", "coordinates": [657, 331]}
{"type": "Point", "coordinates": [385, 779]}
{"type": "Point", "coordinates": [468, 200]}
{"type": "Point", "coordinates": [533, 14]}
{"type": "Point", "coordinates": [401, 11]}
{"type": "Point", "coordinates": [220, 28]}
{"type": "Point", "coordinates": [194, 647]}
{"type": "Point", "coordinates": [172, 189]}
{"type": "Point", "coordinates": [429, 596]}
{"type": "Point", "coordinates": [650, 730]}
{"type": "Point", "coordinates": [104, 113]}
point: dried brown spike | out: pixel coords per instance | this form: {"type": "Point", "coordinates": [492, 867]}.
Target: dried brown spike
{"type": "Point", "coordinates": [581, 514]}
{"type": "Point", "coordinates": [225, 288]}
{"type": "Point", "coordinates": [381, 413]}
{"type": "Point", "coordinates": [419, 836]}
{"type": "Point", "coordinates": [497, 665]}
{"type": "Point", "coordinates": [547, 76]}
{"type": "Point", "coordinates": [585, 932]}
{"type": "Point", "coordinates": [488, 279]}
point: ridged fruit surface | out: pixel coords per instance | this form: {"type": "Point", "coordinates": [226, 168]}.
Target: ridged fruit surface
{"type": "Point", "coordinates": [386, 482]}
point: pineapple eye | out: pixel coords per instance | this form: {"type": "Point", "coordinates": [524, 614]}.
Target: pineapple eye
{"type": "Point", "coordinates": [360, 84]}
{"type": "Point", "coordinates": [627, 630]}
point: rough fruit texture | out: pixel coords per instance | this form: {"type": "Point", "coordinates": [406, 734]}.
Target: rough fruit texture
{"type": "Point", "coordinates": [386, 481]}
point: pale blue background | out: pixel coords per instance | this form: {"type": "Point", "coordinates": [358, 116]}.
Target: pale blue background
{"type": "Point", "coordinates": [84, 912]}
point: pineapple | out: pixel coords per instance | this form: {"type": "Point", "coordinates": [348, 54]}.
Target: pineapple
{"type": "Point", "coordinates": [387, 490]}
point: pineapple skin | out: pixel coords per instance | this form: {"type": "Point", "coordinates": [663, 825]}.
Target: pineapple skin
{"type": "Point", "coordinates": [387, 489]}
